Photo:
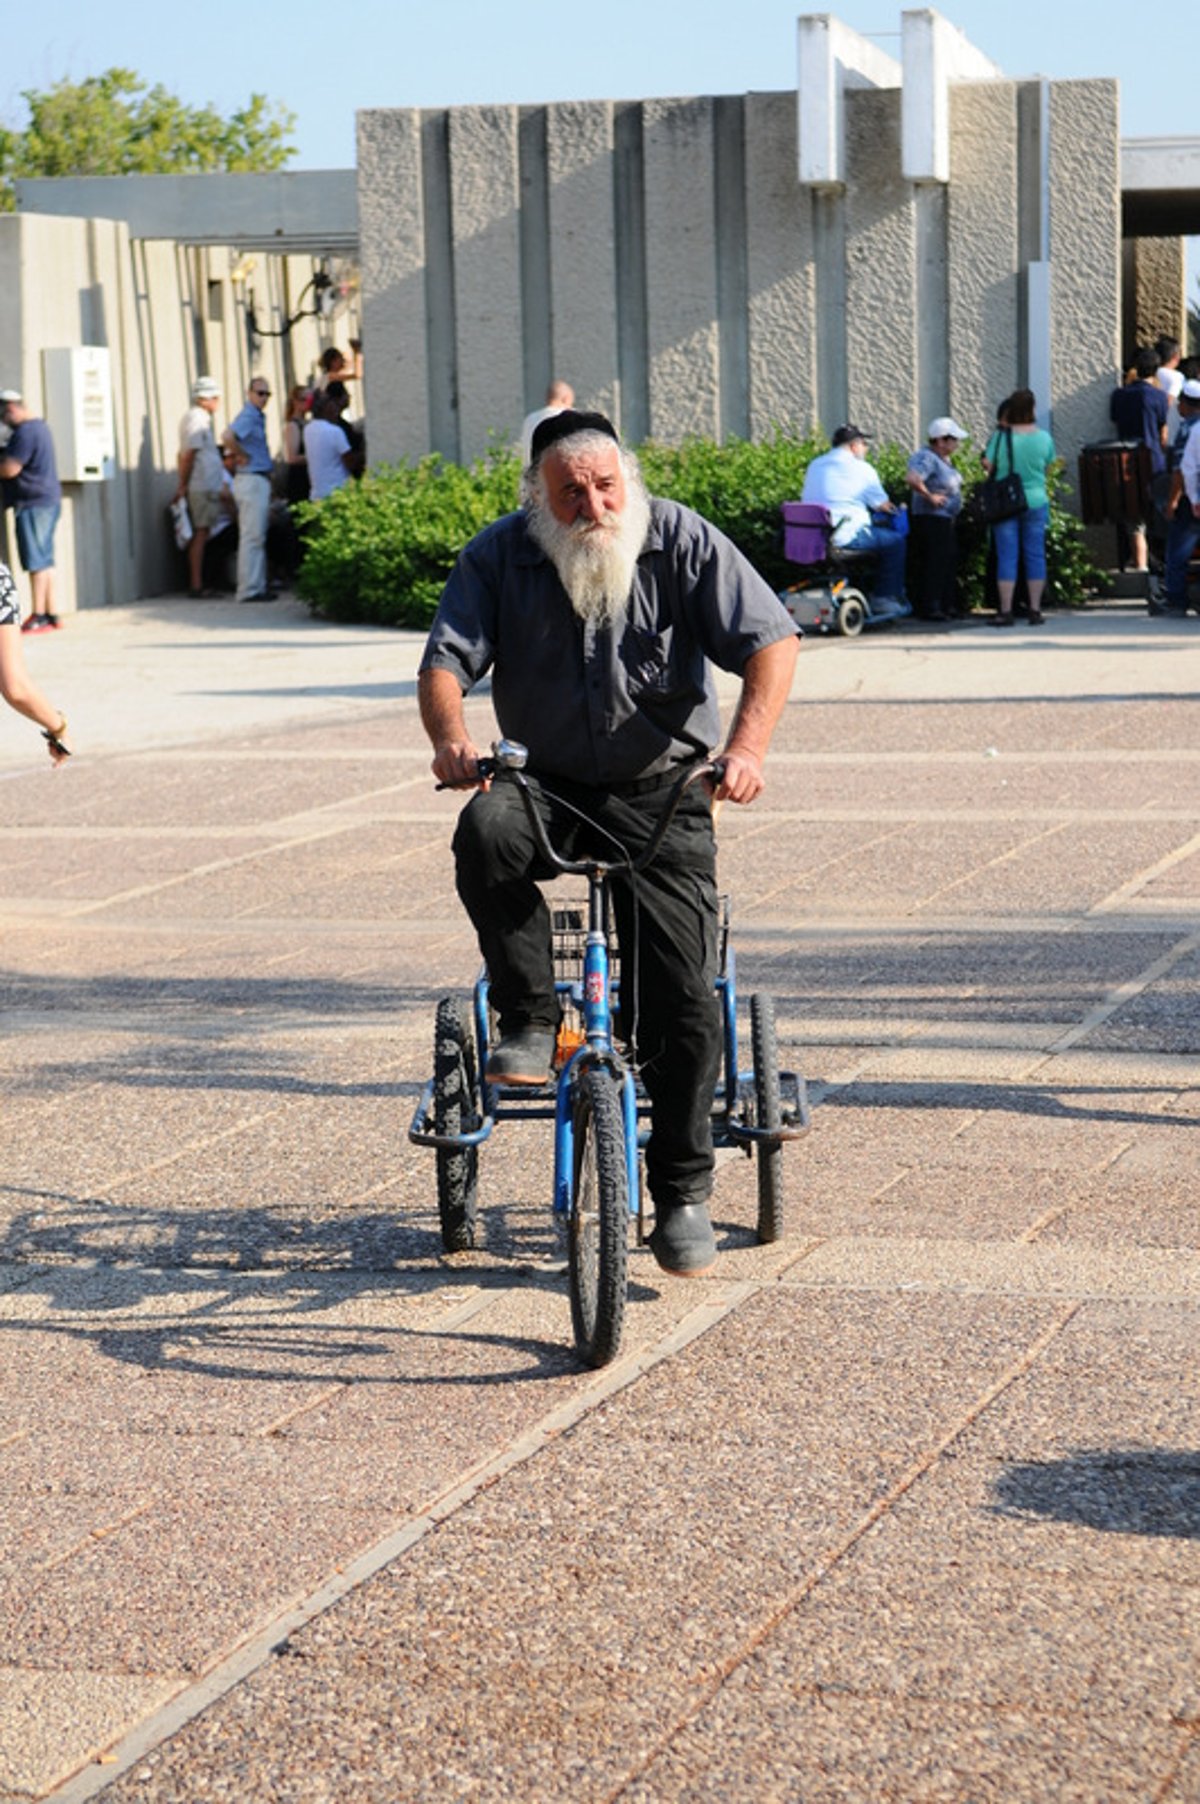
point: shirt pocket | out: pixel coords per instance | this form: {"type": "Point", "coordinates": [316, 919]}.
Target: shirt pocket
{"type": "Point", "coordinates": [652, 663]}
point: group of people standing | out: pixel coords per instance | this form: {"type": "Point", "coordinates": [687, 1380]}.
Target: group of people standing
{"type": "Point", "coordinates": [922, 566]}
{"type": "Point", "coordinates": [1157, 405]}
{"type": "Point", "coordinates": [233, 478]}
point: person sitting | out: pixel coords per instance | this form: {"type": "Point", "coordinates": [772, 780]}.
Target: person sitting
{"type": "Point", "coordinates": [843, 481]}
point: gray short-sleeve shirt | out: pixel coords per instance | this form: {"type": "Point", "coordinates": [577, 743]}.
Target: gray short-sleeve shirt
{"type": "Point", "coordinates": [603, 705]}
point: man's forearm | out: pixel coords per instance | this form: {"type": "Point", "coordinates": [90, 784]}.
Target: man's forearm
{"type": "Point", "coordinates": [441, 703]}
{"type": "Point", "coordinates": [766, 685]}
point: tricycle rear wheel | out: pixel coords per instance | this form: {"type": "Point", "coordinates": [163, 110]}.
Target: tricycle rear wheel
{"type": "Point", "coordinates": [455, 1111]}
{"type": "Point", "coordinates": [768, 1113]}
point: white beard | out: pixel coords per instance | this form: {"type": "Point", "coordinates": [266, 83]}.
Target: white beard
{"type": "Point", "coordinates": [595, 563]}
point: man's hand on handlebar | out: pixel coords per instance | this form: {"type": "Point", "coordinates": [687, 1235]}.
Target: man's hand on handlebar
{"type": "Point", "coordinates": [742, 778]}
{"type": "Point", "coordinates": [456, 766]}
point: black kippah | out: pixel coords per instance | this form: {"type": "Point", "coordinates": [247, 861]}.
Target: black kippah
{"type": "Point", "coordinates": [563, 425]}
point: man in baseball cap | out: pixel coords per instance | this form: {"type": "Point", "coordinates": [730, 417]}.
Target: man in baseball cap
{"type": "Point", "coordinates": [843, 481]}
{"type": "Point", "coordinates": [936, 503]}
{"type": "Point", "coordinates": [29, 472]}
{"type": "Point", "coordinates": [201, 475]}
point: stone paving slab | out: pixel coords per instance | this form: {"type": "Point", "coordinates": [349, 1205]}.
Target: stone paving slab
{"type": "Point", "coordinates": [839, 1507]}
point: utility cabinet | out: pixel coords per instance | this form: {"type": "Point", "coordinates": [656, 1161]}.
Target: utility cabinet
{"type": "Point", "coordinates": [77, 382]}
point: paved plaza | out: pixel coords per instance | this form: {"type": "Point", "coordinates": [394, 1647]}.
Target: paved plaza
{"type": "Point", "coordinates": [905, 1507]}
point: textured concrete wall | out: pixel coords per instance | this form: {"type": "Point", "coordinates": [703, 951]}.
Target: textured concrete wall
{"type": "Point", "coordinates": [1155, 291]}
{"type": "Point", "coordinates": [484, 191]}
{"type": "Point", "coordinates": [681, 276]}
{"type": "Point", "coordinates": [583, 318]}
{"type": "Point", "coordinates": [881, 326]}
{"type": "Point", "coordinates": [982, 233]}
{"type": "Point", "coordinates": [392, 258]}
{"type": "Point", "coordinates": [663, 256]}
{"type": "Point", "coordinates": [1085, 261]}
{"type": "Point", "coordinates": [781, 271]}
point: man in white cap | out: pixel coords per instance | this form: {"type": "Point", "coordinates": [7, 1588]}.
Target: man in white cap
{"type": "Point", "coordinates": [201, 475]}
{"type": "Point", "coordinates": [936, 504]}
{"type": "Point", "coordinates": [29, 472]}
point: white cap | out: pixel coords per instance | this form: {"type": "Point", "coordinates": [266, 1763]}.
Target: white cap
{"type": "Point", "coordinates": [9, 394]}
{"type": "Point", "coordinates": [205, 389]}
{"type": "Point", "coordinates": [944, 427]}
{"type": "Point", "coordinates": [1191, 389]}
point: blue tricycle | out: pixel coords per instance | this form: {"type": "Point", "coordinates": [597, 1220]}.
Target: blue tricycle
{"type": "Point", "coordinates": [593, 1097]}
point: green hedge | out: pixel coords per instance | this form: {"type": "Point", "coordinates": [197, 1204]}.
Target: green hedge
{"type": "Point", "coordinates": [381, 549]}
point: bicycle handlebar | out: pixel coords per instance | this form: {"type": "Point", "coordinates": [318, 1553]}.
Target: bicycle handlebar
{"type": "Point", "coordinates": [510, 757]}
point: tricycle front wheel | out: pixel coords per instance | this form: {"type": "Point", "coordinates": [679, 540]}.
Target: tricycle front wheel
{"type": "Point", "coordinates": [598, 1223]}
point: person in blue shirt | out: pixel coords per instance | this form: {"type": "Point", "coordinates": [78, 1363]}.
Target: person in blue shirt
{"type": "Point", "coordinates": [246, 441]}
{"type": "Point", "coordinates": [33, 491]}
{"type": "Point", "coordinates": [843, 481]}
{"type": "Point", "coordinates": [1138, 410]}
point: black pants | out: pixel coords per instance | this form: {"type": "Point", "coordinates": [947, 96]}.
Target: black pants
{"type": "Point", "coordinates": [666, 928]}
{"type": "Point", "coordinates": [933, 563]}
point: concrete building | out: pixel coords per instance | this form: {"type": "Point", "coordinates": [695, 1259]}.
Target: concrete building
{"type": "Point", "coordinates": [173, 277]}
{"type": "Point", "coordinates": [889, 239]}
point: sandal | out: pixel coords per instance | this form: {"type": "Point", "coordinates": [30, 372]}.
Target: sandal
{"type": "Point", "coordinates": [1036, 617]}
{"type": "Point", "coordinates": [1001, 620]}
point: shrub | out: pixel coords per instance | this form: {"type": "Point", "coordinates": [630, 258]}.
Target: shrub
{"type": "Point", "coordinates": [380, 550]}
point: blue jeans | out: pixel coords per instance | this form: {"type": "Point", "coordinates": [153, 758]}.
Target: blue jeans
{"type": "Point", "coordinates": [1183, 535]}
{"type": "Point", "coordinates": [35, 534]}
{"type": "Point", "coordinates": [1023, 538]}
{"type": "Point", "coordinates": [891, 551]}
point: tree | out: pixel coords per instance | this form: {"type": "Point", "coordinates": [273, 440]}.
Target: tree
{"type": "Point", "coordinates": [114, 124]}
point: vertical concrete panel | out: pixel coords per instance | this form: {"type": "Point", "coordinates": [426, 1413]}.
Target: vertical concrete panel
{"type": "Point", "coordinates": [881, 326]}
{"type": "Point", "coordinates": [832, 307]}
{"type": "Point", "coordinates": [633, 331]}
{"type": "Point", "coordinates": [583, 296]}
{"type": "Point", "coordinates": [392, 241]}
{"type": "Point", "coordinates": [733, 282]}
{"type": "Point", "coordinates": [534, 222]}
{"type": "Point", "coordinates": [681, 279]}
{"type": "Point", "coordinates": [1085, 261]}
{"type": "Point", "coordinates": [1159, 291]}
{"type": "Point", "coordinates": [933, 302]}
{"type": "Point", "coordinates": [981, 231]}
{"type": "Point", "coordinates": [484, 191]}
{"type": "Point", "coordinates": [441, 318]}
{"type": "Point", "coordinates": [781, 299]}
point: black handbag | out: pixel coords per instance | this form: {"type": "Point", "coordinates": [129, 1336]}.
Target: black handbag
{"type": "Point", "coordinates": [998, 497]}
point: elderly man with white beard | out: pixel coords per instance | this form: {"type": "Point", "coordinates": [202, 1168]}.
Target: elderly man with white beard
{"type": "Point", "coordinates": [599, 611]}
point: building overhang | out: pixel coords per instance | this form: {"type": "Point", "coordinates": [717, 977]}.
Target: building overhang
{"type": "Point", "coordinates": [309, 212]}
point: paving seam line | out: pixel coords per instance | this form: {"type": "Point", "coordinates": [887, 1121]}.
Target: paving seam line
{"type": "Point", "coordinates": [169, 1718]}
{"type": "Point", "coordinates": [799, 1594]}
{"type": "Point", "coordinates": [1125, 992]}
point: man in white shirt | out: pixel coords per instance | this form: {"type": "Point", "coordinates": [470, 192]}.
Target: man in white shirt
{"type": "Point", "coordinates": [201, 475]}
{"type": "Point", "coordinates": [559, 396]}
{"type": "Point", "coordinates": [331, 460]}
{"type": "Point", "coordinates": [843, 481]}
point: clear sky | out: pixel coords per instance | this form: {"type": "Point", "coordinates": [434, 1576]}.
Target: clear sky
{"type": "Point", "coordinates": [323, 62]}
